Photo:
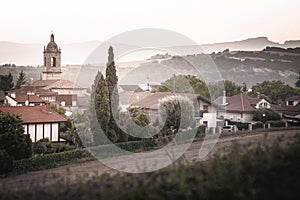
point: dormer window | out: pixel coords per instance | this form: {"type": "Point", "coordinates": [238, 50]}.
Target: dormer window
{"type": "Point", "coordinates": [263, 105]}
{"type": "Point", "coordinates": [290, 103]}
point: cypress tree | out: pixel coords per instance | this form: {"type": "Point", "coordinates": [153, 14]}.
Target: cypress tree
{"type": "Point", "coordinates": [112, 83]}
{"type": "Point", "coordinates": [102, 107]}
{"type": "Point", "coordinates": [21, 80]}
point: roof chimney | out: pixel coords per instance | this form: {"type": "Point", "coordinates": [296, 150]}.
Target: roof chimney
{"type": "Point", "coordinates": [46, 107]}
{"type": "Point", "coordinates": [224, 103]}
{"type": "Point", "coordinates": [13, 95]}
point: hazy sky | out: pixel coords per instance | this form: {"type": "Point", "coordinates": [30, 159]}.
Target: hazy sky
{"type": "Point", "coordinates": [31, 21]}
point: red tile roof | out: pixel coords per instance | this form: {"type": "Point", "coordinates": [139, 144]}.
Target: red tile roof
{"type": "Point", "coordinates": [239, 102]}
{"type": "Point", "coordinates": [21, 98]}
{"type": "Point", "coordinates": [33, 114]}
{"type": "Point", "coordinates": [62, 84]}
{"type": "Point", "coordinates": [130, 97]}
{"type": "Point", "coordinates": [293, 98]}
{"type": "Point", "coordinates": [287, 110]}
{"type": "Point", "coordinates": [43, 83]}
{"type": "Point", "coordinates": [32, 89]}
{"type": "Point", "coordinates": [152, 101]}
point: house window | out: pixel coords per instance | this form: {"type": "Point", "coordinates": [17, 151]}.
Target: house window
{"type": "Point", "coordinates": [263, 105]}
{"type": "Point", "coordinates": [205, 107]}
{"type": "Point", "coordinates": [290, 103]}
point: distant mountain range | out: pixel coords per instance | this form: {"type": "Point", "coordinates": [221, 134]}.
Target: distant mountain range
{"type": "Point", "coordinates": [76, 53]}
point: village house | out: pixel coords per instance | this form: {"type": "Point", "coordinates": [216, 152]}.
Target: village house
{"type": "Point", "coordinates": [203, 107]}
{"type": "Point", "coordinates": [129, 94]}
{"type": "Point", "coordinates": [13, 99]}
{"type": "Point", "coordinates": [289, 109]}
{"type": "Point", "coordinates": [38, 121]}
{"type": "Point", "coordinates": [240, 107]}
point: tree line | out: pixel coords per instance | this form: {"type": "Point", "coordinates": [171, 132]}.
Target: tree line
{"type": "Point", "coordinates": [7, 83]}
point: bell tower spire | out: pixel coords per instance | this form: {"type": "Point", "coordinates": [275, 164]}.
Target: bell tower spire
{"type": "Point", "coordinates": [52, 60]}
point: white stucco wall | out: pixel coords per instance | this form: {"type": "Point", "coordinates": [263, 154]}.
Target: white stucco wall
{"type": "Point", "coordinates": [55, 132]}
{"type": "Point", "coordinates": [238, 117]}
{"type": "Point", "coordinates": [10, 101]}
{"type": "Point", "coordinates": [210, 118]}
{"type": "Point", "coordinates": [39, 131]}
{"type": "Point", "coordinates": [31, 131]}
{"type": "Point", "coordinates": [47, 131]}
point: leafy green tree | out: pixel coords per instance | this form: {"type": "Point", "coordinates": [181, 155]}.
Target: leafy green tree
{"type": "Point", "coordinates": [12, 138]}
{"type": "Point", "coordinates": [82, 125]}
{"type": "Point", "coordinates": [266, 114]}
{"type": "Point", "coordinates": [177, 111]}
{"type": "Point", "coordinates": [244, 88]}
{"type": "Point", "coordinates": [138, 116]}
{"type": "Point", "coordinates": [60, 110]}
{"type": "Point", "coordinates": [297, 84]}
{"type": "Point", "coordinates": [71, 135]}
{"type": "Point", "coordinates": [276, 91]}
{"type": "Point", "coordinates": [6, 82]}
{"type": "Point", "coordinates": [185, 84]}
{"type": "Point", "coordinates": [138, 124]}
{"type": "Point", "coordinates": [230, 87]}
{"type": "Point", "coordinates": [21, 80]}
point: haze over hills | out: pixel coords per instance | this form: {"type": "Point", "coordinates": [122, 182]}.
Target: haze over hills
{"type": "Point", "coordinates": [77, 53]}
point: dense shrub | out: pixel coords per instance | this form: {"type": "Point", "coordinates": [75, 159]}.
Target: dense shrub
{"type": "Point", "coordinates": [131, 146]}
{"type": "Point", "coordinates": [6, 162]}
{"type": "Point", "coordinates": [47, 161]}
{"type": "Point", "coordinates": [176, 111]}
{"type": "Point", "coordinates": [239, 125]}
{"type": "Point", "coordinates": [201, 131]}
{"type": "Point", "coordinates": [12, 138]}
{"type": "Point", "coordinates": [257, 125]}
{"type": "Point", "coordinates": [276, 123]}
{"type": "Point", "coordinates": [265, 114]}
{"type": "Point", "coordinates": [39, 148]}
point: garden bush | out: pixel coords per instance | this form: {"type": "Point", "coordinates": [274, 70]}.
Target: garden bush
{"type": "Point", "coordinates": [6, 162]}
{"type": "Point", "coordinates": [48, 161]}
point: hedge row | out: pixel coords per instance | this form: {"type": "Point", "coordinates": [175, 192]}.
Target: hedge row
{"type": "Point", "coordinates": [103, 151]}
{"type": "Point", "coordinates": [48, 161]}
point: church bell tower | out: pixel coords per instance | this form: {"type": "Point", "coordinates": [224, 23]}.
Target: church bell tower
{"type": "Point", "coordinates": [52, 61]}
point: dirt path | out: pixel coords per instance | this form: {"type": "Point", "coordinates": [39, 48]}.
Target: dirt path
{"type": "Point", "coordinates": [83, 170]}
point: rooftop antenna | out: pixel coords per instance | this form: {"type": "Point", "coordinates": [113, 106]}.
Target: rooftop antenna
{"type": "Point", "coordinates": [148, 84]}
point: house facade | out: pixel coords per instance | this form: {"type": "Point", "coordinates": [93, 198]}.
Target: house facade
{"type": "Point", "coordinates": [14, 99]}
{"type": "Point", "coordinates": [38, 121]}
{"type": "Point", "coordinates": [202, 106]}
{"type": "Point", "coordinates": [290, 108]}
{"type": "Point", "coordinates": [240, 107]}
